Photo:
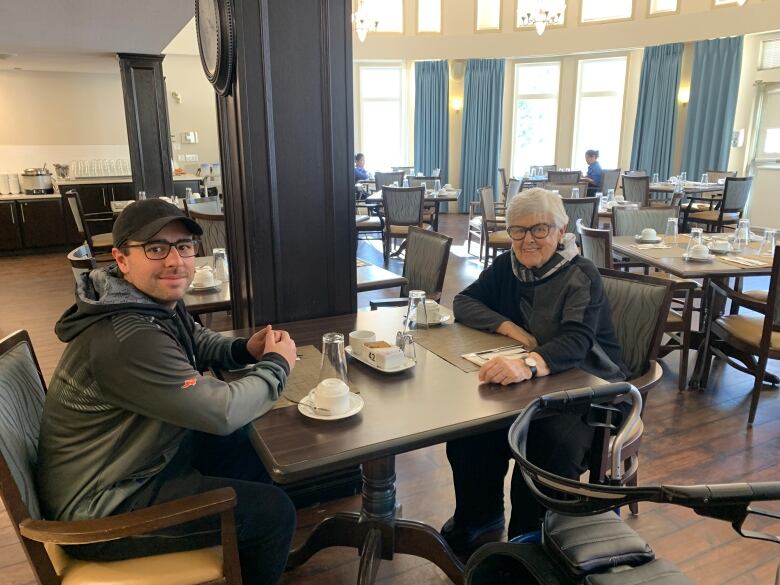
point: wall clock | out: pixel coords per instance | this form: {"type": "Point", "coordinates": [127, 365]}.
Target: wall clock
{"type": "Point", "coordinates": [216, 40]}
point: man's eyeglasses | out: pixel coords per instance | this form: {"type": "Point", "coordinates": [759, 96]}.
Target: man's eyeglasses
{"type": "Point", "coordinates": [159, 249]}
{"type": "Point", "coordinates": [539, 231]}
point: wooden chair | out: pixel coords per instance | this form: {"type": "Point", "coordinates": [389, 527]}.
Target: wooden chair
{"type": "Point", "coordinates": [627, 221]}
{"type": "Point", "coordinates": [425, 265]}
{"type": "Point", "coordinates": [214, 231]}
{"type": "Point", "coordinates": [97, 242]}
{"type": "Point", "coordinates": [81, 261]}
{"type": "Point", "coordinates": [565, 189]}
{"type": "Point", "coordinates": [564, 177]}
{"type": "Point", "coordinates": [474, 229]}
{"type": "Point", "coordinates": [597, 247]}
{"type": "Point", "coordinates": [609, 180]}
{"type": "Point", "coordinates": [735, 196]}
{"type": "Point", "coordinates": [746, 342]}
{"type": "Point", "coordinates": [715, 176]}
{"type": "Point", "coordinates": [383, 179]}
{"type": "Point", "coordinates": [494, 233]}
{"type": "Point", "coordinates": [370, 224]}
{"type": "Point", "coordinates": [22, 391]}
{"type": "Point", "coordinates": [638, 306]}
{"type": "Point", "coordinates": [512, 189]}
{"type": "Point", "coordinates": [403, 208]}
{"type": "Point", "coordinates": [504, 184]}
{"type": "Point", "coordinates": [637, 189]}
{"type": "Point", "coordinates": [548, 168]}
{"type": "Point", "coordinates": [585, 210]}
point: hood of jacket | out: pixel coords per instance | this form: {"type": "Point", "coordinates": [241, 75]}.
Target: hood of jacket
{"type": "Point", "coordinates": [100, 294]}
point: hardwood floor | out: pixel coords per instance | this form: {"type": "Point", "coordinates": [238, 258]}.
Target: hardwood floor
{"type": "Point", "coordinates": [690, 437]}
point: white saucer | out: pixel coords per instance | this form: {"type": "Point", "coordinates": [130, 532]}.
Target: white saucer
{"type": "Point", "coordinates": [193, 288]}
{"type": "Point", "coordinates": [306, 408]}
{"type": "Point", "coordinates": [443, 318]}
{"type": "Point", "coordinates": [719, 252]}
{"type": "Point", "coordinates": [409, 363]}
{"type": "Point", "coordinates": [687, 258]}
{"type": "Point", "coordinates": [639, 239]}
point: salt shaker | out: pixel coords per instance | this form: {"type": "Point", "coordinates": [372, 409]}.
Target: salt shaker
{"type": "Point", "coordinates": [221, 264]}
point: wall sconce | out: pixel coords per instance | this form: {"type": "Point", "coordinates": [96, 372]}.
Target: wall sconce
{"type": "Point", "coordinates": [456, 104]}
{"type": "Point", "coordinates": [176, 96]}
{"type": "Point", "coordinates": [684, 95]}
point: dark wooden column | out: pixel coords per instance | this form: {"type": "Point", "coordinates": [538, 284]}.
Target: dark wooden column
{"type": "Point", "coordinates": [286, 148]}
{"type": "Point", "coordinates": [148, 132]}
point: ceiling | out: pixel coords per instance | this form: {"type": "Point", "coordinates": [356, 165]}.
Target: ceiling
{"type": "Point", "coordinates": [85, 35]}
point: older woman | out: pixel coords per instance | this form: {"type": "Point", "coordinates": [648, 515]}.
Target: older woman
{"type": "Point", "coordinates": [547, 297]}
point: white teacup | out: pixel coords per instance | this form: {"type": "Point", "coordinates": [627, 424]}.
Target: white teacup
{"type": "Point", "coordinates": [649, 234]}
{"type": "Point", "coordinates": [358, 339]}
{"type": "Point", "coordinates": [448, 186]}
{"type": "Point", "coordinates": [700, 251]}
{"type": "Point", "coordinates": [431, 311]}
{"type": "Point", "coordinates": [720, 245]}
{"type": "Point", "coordinates": [204, 277]}
{"type": "Point", "coordinates": [619, 198]}
{"type": "Point", "coordinates": [331, 395]}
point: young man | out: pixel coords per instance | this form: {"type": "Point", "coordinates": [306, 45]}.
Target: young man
{"type": "Point", "coordinates": [594, 176]}
{"type": "Point", "coordinates": [129, 419]}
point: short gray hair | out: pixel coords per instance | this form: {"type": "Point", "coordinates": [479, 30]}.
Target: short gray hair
{"type": "Point", "coordinates": [537, 201]}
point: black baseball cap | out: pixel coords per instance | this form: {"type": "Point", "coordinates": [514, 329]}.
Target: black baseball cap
{"type": "Point", "coordinates": [141, 220]}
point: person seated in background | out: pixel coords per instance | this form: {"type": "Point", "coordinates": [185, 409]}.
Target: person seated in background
{"type": "Point", "coordinates": [545, 296]}
{"type": "Point", "coordinates": [129, 419]}
{"type": "Point", "coordinates": [361, 174]}
{"type": "Point", "coordinates": [594, 176]}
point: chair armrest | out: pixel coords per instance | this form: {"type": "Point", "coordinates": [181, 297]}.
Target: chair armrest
{"type": "Point", "coordinates": [132, 523]}
{"type": "Point", "coordinates": [649, 379]}
{"type": "Point", "coordinates": [380, 303]}
{"type": "Point", "coordinates": [742, 299]}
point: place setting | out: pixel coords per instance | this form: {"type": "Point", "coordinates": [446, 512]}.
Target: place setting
{"type": "Point", "coordinates": [205, 280]}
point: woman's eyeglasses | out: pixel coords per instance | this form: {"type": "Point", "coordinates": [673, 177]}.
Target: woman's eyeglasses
{"type": "Point", "coordinates": [159, 250]}
{"type": "Point", "coordinates": [538, 231]}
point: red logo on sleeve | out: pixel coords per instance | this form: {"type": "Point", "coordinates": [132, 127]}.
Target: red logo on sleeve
{"type": "Point", "coordinates": [189, 383]}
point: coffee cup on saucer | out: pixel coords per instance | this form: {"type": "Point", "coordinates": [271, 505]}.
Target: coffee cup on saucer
{"type": "Point", "coordinates": [204, 277]}
{"type": "Point", "coordinates": [431, 312]}
{"type": "Point", "coordinates": [619, 199]}
{"type": "Point", "coordinates": [649, 234]}
{"type": "Point", "coordinates": [331, 396]}
{"type": "Point", "coordinates": [700, 251]}
{"type": "Point", "coordinates": [358, 339]}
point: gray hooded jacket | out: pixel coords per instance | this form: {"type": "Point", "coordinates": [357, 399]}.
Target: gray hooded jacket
{"type": "Point", "coordinates": [128, 392]}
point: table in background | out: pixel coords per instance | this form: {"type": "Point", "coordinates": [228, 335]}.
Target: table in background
{"type": "Point", "coordinates": [429, 404]}
{"type": "Point", "coordinates": [690, 188]}
{"type": "Point", "coordinates": [371, 277]}
{"type": "Point", "coordinates": [198, 303]}
{"type": "Point", "coordinates": [671, 260]}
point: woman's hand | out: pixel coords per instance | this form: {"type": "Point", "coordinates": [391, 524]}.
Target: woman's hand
{"type": "Point", "coordinates": [517, 333]}
{"type": "Point", "coordinates": [508, 370]}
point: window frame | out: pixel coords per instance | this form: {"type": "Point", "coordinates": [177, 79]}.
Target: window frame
{"type": "Point", "coordinates": [605, 20]}
{"type": "Point", "coordinates": [515, 97]}
{"type": "Point", "coordinates": [404, 98]}
{"type": "Point", "coordinates": [417, 30]}
{"type": "Point", "coordinates": [578, 95]}
{"type": "Point", "coordinates": [532, 27]}
{"type": "Point", "coordinates": [480, 31]}
{"type": "Point", "coordinates": [651, 14]}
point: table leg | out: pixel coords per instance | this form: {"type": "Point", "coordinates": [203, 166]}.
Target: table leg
{"type": "Point", "coordinates": [376, 532]}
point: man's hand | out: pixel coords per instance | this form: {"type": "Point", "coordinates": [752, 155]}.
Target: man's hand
{"type": "Point", "coordinates": [507, 370]}
{"type": "Point", "coordinates": [256, 344]}
{"type": "Point", "coordinates": [284, 346]}
{"type": "Point", "coordinates": [517, 333]}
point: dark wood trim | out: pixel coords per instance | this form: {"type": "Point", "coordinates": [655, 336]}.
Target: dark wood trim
{"type": "Point", "coordinates": [148, 130]}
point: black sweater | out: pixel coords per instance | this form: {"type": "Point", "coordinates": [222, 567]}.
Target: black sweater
{"type": "Point", "coordinates": [567, 312]}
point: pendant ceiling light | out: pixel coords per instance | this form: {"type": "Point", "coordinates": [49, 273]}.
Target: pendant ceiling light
{"type": "Point", "coordinates": [546, 12]}
{"type": "Point", "coordinates": [362, 22]}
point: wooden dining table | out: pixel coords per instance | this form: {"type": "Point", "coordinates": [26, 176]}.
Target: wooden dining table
{"type": "Point", "coordinates": [670, 260]}
{"type": "Point", "coordinates": [433, 402]}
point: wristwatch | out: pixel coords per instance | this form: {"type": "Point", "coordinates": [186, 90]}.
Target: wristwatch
{"type": "Point", "coordinates": [531, 363]}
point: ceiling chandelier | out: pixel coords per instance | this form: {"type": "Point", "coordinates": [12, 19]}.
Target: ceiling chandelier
{"type": "Point", "coordinates": [547, 12]}
{"type": "Point", "coordinates": [363, 22]}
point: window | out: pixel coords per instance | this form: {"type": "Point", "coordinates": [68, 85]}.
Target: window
{"type": "Point", "coordinates": [599, 114]}
{"type": "Point", "coordinates": [661, 6]}
{"type": "Point", "coordinates": [535, 115]}
{"type": "Point", "coordinates": [772, 141]}
{"type": "Point", "coordinates": [770, 55]}
{"type": "Point", "coordinates": [526, 7]}
{"type": "Point", "coordinates": [381, 121]}
{"type": "Point", "coordinates": [488, 15]}
{"type": "Point", "coordinates": [428, 16]}
{"type": "Point", "coordinates": [595, 10]}
{"type": "Point", "coordinates": [389, 14]}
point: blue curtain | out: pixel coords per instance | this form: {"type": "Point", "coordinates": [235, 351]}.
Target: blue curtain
{"type": "Point", "coordinates": [482, 109]}
{"type": "Point", "coordinates": [431, 117]}
{"type": "Point", "coordinates": [710, 122]}
{"type": "Point", "coordinates": [656, 116]}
